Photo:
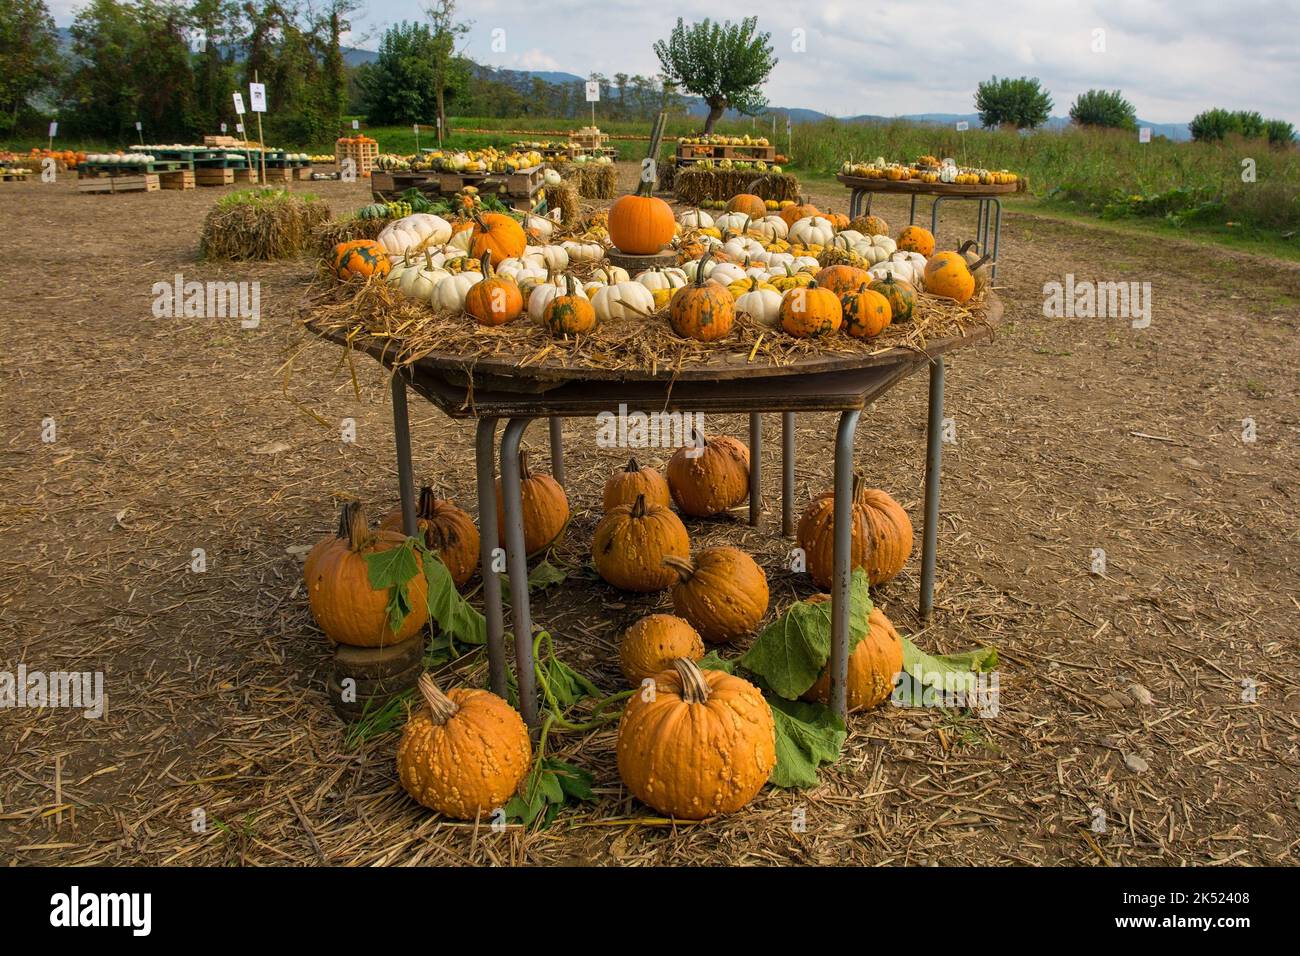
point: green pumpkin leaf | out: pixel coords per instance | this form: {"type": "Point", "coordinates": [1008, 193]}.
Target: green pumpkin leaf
{"type": "Point", "coordinates": [713, 662]}
{"type": "Point", "coordinates": [807, 736]}
{"type": "Point", "coordinates": [551, 783]}
{"type": "Point", "coordinates": [393, 569]}
{"type": "Point", "coordinates": [791, 652]}
{"type": "Point", "coordinates": [543, 576]}
{"type": "Point", "coordinates": [567, 685]}
{"type": "Point", "coordinates": [942, 673]}
{"type": "Point", "coordinates": [452, 612]}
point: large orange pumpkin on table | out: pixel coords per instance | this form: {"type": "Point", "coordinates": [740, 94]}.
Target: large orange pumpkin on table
{"type": "Point", "coordinates": [342, 601]}
{"type": "Point", "coordinates": [843, 278]}
{"type": "Point", "coordinates": [748, 204]}
{"type": "Point", "coordinates": [493, 300]}
{"type": "Point", "coordinates": [462, 753]}
{"type": "Point", "coordinates": [881, 534]}
{"type": "Point", "coordinates": [722, 591]}
{"type": "Point", "coordinates": [641, 223]}
{"type": "Point", "coordinates": [703, 744]}
{"type": "Point", "coordinates": [710, 476]}
{"type": "Point", "coordinates": [360, 257]}
{"type": "Point", "coordinates": [810, 311]}
{"type": "Point", "coordinates": [545, 508]}
{"type": "Point", "coordinates": [448, 532]}
{"type": "Point", "coordinates": [631, 542]}
{"type": "Point", "coordinates": [949, 274]}
{"type": "Point", "coordinates": [703, 310]}
{"type": "Point", "coordinates": [498, 234]}
{"type": "Point", "coordinates": [917, 239]}
{"type": "Point", "coordinates": [874, 664]}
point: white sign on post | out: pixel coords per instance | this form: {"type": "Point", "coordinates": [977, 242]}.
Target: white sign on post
{"type": "Point", "coordinates": [356, 124]}
{"type": "Point", "coordinates": [415, 128]}
{"type": "Point", "coordinates": [223, 127]}
{"type": "Point", "coordinates": [239, 103]}
{"type": "Point", "coordinates": [962, 126]}
{"type": "Point", "coordinates": [788, 127]}
{"type": "Point", "coordinates": [1144, 134]}
{"type": "Point", "coordinates": [257, 97]}
{"type": "Point", "coordinates": [138, 127]}
{"type": "Point", "coordinates": [54, 128]}
{"type": "Point", "coordinates": [593, 91]}
{"type": "Point", "coordinates": [239, 127]}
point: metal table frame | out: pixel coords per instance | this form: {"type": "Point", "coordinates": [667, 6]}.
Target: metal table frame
{"type": "Point", "coordinates": [490, 398]}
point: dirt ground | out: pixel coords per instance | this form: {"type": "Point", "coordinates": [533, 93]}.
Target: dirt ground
{"type": "Point", "coordinates": [1071, 435]}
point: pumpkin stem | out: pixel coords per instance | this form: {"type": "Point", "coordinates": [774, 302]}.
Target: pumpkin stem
{"type": "Point", "coordinates": [524, 471]}
{"type": "Point", "coordinates": [859, 486]}
{"type": "Point", "coordinates": [966, 245]}
{"type": "Point", "coordinates": [486, 262]}
{"type": "Point", "coordinates": [695, 689]}
{"type": "Point", "coordinates": [441, 707]}
{"type": "Point", "coordinates": [428, 258]}
{"type": "Point", "coordinates": [424, 509]}
{"type": "Point", "coordinates": [685, 567]}
{"type": "Point", "coordinates": [638, 507]}
{"type": "Point", "coordinates": [979, 262]}
{"type": "Point", "coordinates": [699, 271]}
{"type": "Point", "coordinates": [632, 465]}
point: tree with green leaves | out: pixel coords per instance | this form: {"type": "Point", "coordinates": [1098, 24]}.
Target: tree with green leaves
{"type": "Point", "coordinates": [1105, 108]}
{"type": "Point", "coordinates": [725, 64]}
{"type": "Point", "coordinates": [1021, 103]}
{"type": "Point", "coordinates": [28, 58]}
{"type": "Point", "coordinates": [1212, 126]}
{"type": "Point", "coordinates": [446, 30]}
{"type": "Point", "coordinates": [329, 26]}
{"type": "Point", "coordinates": [217, 23]}
{"type": "Point", "coordinates": [400, 85]}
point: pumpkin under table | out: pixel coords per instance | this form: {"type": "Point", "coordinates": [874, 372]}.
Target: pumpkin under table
{"type": "Point", "coordinates": [489, 389]}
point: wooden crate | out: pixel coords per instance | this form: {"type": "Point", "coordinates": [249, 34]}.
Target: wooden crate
{"type": "Point", "coordinates": [181, 179]}
{"type": "Point", "coordinates": [365, 155]}
{"type": "Point", "coordinates": [120, 184]}
{"type": "Point", "coordinates": [279, 174]}
{"type": "Point", "coordinates": [220, 176]}
{"type": "Point", "coordinates": [302, 172]}
{"type": "Point", "coordinates": [245, 176]}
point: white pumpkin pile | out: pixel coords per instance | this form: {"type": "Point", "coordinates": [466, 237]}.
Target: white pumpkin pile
{"type": "Point", "coordinates": [119, 159]}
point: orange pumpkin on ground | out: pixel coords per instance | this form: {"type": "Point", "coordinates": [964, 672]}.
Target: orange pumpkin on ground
{"type": "Point", "coordinates": [874, 664]}
{"type": "Point", "coordinates": [722, 591]}
{"type": "Point", "coordinates": [792, 214]}
{"type": "Point", "coordinates": [641, 223]}
{"type": "Point", "coordinates": [494, 299]}
{"type": "Point", "coordinates": [448, 531]}
{"type": "Point", "coordinates": [810, 311]}
{"type": "Point", "coordinates": [709, 476]}
{"type": "Point", "coordinates": [625, 485]}
{"type": "Point", "coordinates": [360, 258]}
{"type": "Point", "coordinates": [747, 204]}
{"type": "Point", "coordinates": [881, 535]}
{"type": "Point", "coordinates": [650, 645]}
{"type": "Point", "coordinates": [545, 508]}
{"type": "Point", "coordinates": [866, 313]}
{"type": "Point", "coordinates": [342, 601]}
{"type": "Point", "coordinates": [631, 542]}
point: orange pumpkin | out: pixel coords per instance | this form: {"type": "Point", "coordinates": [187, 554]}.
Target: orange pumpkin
{"type": "Point", "coordinates": [949, 275]}
{"type": "Point", "coordinates": [650, 645]}
{"type": "Point", "coordinates": [629, 545]}
{"type": "Point", "coordinates": [710, 476]}
{"type": "Point", "coordinates": [842, 279]}
{"type": "Point", "coordinates": [493, 300]}
{"type": "Point", "coordinates": [498, 234]}
{"type": "Point", "coordinates": [342, 601]}
{"type": "Point", "coordinates": [749, 204]}
{"type": "Point", "coordinates": [545, 508]}
{"type": "Point", "coordinates": [873, 666]}
{"type": "Point", "coordinates": [722, 592]}
{"type": "Point", "coordinates": [881, 534]}
{"type": "Point", "coordinates": [703, 310]}
{"type": "Point", "coordinates": [627, 484]}
{"type": "Point", "coordinates": [792, 214]}
{"type": "Point", "coordinates": [360, 257]}
{"type": "Point", "coordinates": [836, 219]}
{"type": "Point", "coordinates": [917, 239]}
{"type": "Point", "coordinates": [641, 223]}
{"type": "Point", "coordinates": [569, 314]}
{"type": "Point", "coordinates": [810, 311]}
{"type": "Point", "coordinates": [448, 531]}
{"type": "Point", "coordinates": [866, 313]}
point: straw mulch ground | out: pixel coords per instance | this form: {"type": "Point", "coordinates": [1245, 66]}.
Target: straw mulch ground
{"type": "Point", "coordinates": [693, 186]}
{"type": "Point", "coordinates": [262, 224]}
{"type": "Point", "coordinates": [1070, 435]}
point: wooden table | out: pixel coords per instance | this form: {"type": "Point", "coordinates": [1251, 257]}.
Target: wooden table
{"type": "Point", "coordinates": [491, 389]}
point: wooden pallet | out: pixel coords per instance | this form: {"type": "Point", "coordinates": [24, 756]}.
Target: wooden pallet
{"type": "Point", "coordinates": [688, 153]}
{"type": "Point", "coordinates": [302, 172]}
{"type": "Point", "coordinates": [245, 175]}
{"type": "Point", "coordinates": [214, 176]}
{"type": "Point", "coordinates": [278, 174]}
{"type": "Point", "coordinates": [365, 155]}
{"type": "Point", "coordinates": [181, 179]}
{"type": "Point", "coordinates": [147, 182]}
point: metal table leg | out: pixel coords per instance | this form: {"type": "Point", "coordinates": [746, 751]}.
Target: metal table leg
{"type": "Point", "coordinates": [755, 469]}
{"type": "Point", "coordinates": [934, 219]}
{"type": "Point", "coordinates": [405, 473]}
{"type": "Point", "coordinates": [996, 205]}
{"type": "Point", "coordinates": [841, 572]}
{"type": "Point", "coordinates": [557, 451]}
{"type": "Point", "coordinates": [787, 474]}
{"type": "Point", "coordinates": [911, 216]}
{"type": "Point", "coordinates": [485, 465]}
{"type": "Point", "coordinates": [933, 462]}
{"type": "Point", "coordinates": [517, 565]}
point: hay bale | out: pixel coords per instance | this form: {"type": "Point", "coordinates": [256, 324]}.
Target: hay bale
{"type": "Point", "coordinates": [329, 234]}
{"type": "Point", "coordinates": [667, 175]}
{"type": "Point", "coordinates": [564, 197]}
{"type": "Point", "coordinates": [261, 224]}
{"type": "Point", "coordinates": [594, 180]}
{"type": "Point", "coordinates": [694, 185]}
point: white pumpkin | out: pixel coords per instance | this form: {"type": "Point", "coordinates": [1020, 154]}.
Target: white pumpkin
{"type": "Point", "coordinates": [763, 304]}
{"type": "Point", "coordinates": [851, 236]}
{"type": "Point", "coordinates": [461, 240]}
{"type": "Point", "coordinates": [623, 300]}
{"type": "Point", "coordinates": [451, 291]}
{"type": "Point", "coordinates": [695, 219]}
{"type": "Point", "coordinates": [947, 173]}
{"type": "Point", "coordinates": [397, 269]}
{"type": "Point", "coordinates": [884, 242]}
{"type": "Point", "coordinates": [538, 226]}
{"type": "Point", "coordinates": [806, 264]}
{"type": "Point", "coordinates": [898, 269]}
{"type": "Point", "coordinates": [744, 247]}
{"type": "Point", "coordinates": [553, 258]}
{"type": "Point", "coordinates": [654, 279]}
{"type": "Point", "coordinates": [614, 274]}
{"type": "Point", "coordinates": [583, 251]}
{"type": "Point", "coordinates": [812, 231]}
{"type": "Point", "coordinates": [520, 269]}
{"type": "Point", "coordinates": [770, 228]}
{"type": "Point", "coordinates": [726, 273]}
{"type": "Point", "coordinates": [692, 268]}
{"type": "Point", "coordinates": [420, 283]}
{"type": "Point", "coordinates": [551, 178]}
{"type": "Point", "coordinates": [733, 221]}
{"type": "Point", "coordinates": [542, 295]}
{"type": "Point", "coordinates": [413, 233]}
{"type": "Point", "coordinates": [777, 261]}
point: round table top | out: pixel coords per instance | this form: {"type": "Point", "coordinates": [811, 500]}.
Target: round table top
{"type": "Point", "coordinates": [916, 187]}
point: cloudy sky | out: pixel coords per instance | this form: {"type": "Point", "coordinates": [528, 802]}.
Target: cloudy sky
{"type": "Point", "coordinates": [1171, 59]}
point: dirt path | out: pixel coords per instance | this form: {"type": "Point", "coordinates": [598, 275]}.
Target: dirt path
{"type": "Point", "coordinates": [1071, 435]}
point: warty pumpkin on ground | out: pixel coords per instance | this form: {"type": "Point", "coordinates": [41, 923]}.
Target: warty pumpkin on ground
{"type": "Point", "coordinates": [722, 591]}
{"type": "Point", "coordinates": [710, 476]}
{"type": "Point", "coordinates": [631, 542]}
{"type": "Point", "coordinates": [623, 487]}
{"type": "Point", "coordinates": [650, 645]}
{"type": "Point", "coordinates": [881, 535]}
{"type": "Point", "coordinates": [873, 666]}
{"type": "Point", "coordinates": [448, 531]}
{"type": "Point", "coordinates": [703, 744]}
{"type": "Point", "coordinates": [342, 601]}
{"type": "Point", "coordinates": [545, 508]}
{"type": "Point", "coordinates": [463, 753]}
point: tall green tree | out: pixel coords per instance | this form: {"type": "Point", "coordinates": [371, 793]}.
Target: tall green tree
{"type": "Point", "coordinates": [101, 92]}
{"type": "Point", "coordinates": [725, 64]}
{"type": "Point", "coordinates": [1106, 108]}
{"type": "Point", "coordinates": [331, 23]}
{"type": "Point", "coordinates": [446, 31]}
{"type": "Point", "coordinates": [28, 58]}
{"type": "Point", "coordinates": [217, 23]}
{"type": "Point", "coordinates": [398, 87]}
{"type": "Point", "coordinates": [1022, 103]}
